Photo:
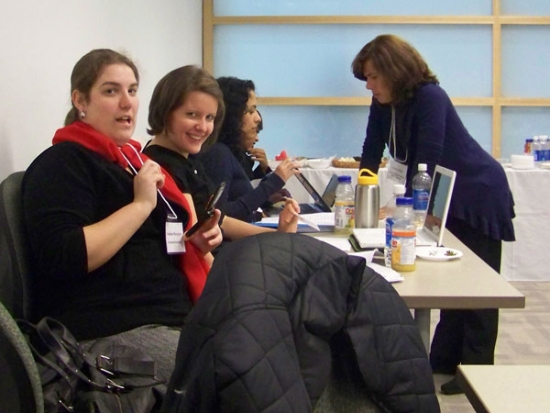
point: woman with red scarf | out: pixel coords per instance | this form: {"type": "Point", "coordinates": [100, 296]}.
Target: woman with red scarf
{"type": "Point", "coordinates": [105, 223]}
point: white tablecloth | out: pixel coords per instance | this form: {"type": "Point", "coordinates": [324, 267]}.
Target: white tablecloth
{"type": "Point", "coordinates": [525, 259]}
{"type": "Point", "coordinates": [522, 260]}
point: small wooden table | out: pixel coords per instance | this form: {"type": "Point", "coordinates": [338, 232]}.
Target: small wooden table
{"type": "Point", "coordinates": [506, 389]}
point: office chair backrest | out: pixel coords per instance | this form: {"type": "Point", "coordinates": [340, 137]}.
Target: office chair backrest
{"type": "Point", "coordinates": [15, 282]}
{"type": "Point", "coordinates": [20, 387]}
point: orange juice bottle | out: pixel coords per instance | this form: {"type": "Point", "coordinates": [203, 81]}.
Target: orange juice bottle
{"type": "Point", "coordinates": [403, 242]}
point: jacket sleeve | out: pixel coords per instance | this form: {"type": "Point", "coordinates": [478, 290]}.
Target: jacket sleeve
{"type": "Point", "coordinates": [374, 143]}
{"type": "Point", "coordinates": [389, 349]}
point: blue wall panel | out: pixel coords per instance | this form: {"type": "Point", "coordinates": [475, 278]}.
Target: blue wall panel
{"type": "Point", "coordinates": [326, 131]}
{"type": "Point", "coordinates": [525, 7]}
{"type": "Point", "coordinates": [526, 61]}
{"type": "Point", "coordinates": [299, 60]}
{"type": "Point", "coordinates": [519, 123]}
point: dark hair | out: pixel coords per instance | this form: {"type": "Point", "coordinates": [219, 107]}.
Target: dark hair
{"type": "Point", "coordinates": [172, 91]}
{"type": "Point", "coordinates": [399, 62]}
{"type": "Point", "coordinates": [88, 69]}
{"type": "Point", "coordinates": [235, 95]}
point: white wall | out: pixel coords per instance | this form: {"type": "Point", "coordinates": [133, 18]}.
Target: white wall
{"type": "Point", "coordinates": [40, 41]}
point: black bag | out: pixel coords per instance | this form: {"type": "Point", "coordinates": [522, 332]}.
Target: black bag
{"type": "Point", "coordinates": [109, 378]}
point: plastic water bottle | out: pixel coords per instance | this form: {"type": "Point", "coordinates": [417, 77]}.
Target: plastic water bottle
{"type": "Point", "coordinates": [421, 186]}
{"type": "Point", "coordinates": [398, 191]}
{"type": "Point", "coordinates": [544, 148]}
{"type": "Point", "coordinates": [344, 206]}
{"type": "Point", "coordinates": [403, 243]}
{"type": "Point", "coordinates": [536, 149]}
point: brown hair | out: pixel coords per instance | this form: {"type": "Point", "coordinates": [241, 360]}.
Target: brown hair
{"type": "Point", "coordinates": [88, 69]}
{"type": "Point", "coordinates": [399, 62]}
{"type": "Point", "coordinates": [172, 91]}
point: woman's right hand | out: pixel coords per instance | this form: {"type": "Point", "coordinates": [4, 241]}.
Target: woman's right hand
{"type": "Point", "coordinates": [146, 182]}
{"type": "Point", "coordinates": [288, 218]}
{"type": "Point", "coordinates": [286, 169]}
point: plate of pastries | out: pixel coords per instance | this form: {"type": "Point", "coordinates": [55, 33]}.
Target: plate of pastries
{"type": "Point", "coordinates": [353, 162]}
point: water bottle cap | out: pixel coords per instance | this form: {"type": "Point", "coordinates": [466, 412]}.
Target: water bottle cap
{"type": "Point", "coordinates": [422, 167]}
{"type": "Point", "coordinates": [365, 179]}
{"type": "Point", "coordinates": [344, 179]}
{"type": "Point", "coordinates": [404, 200]}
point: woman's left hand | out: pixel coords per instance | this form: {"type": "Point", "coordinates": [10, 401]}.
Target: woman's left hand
{"type": "Point", "coordinates": [209, 235]}
{"type": "Point", "coordinates": [288, 218]}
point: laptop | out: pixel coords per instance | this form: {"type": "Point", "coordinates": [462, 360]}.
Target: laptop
{"type": "Point", "coordinates": [321, 203]}
{"type": "Point", "coordinates": [439, 202]}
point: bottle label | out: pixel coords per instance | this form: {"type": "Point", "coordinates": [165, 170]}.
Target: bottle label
{"type": "Point", "coordinates": [420, 199]}
{"type": "Point", "coordinates": [389, 225]}
{"type": "Point", "coordinates": [344, 217]}
{"type": "Point", "coordinates": [403, 249]}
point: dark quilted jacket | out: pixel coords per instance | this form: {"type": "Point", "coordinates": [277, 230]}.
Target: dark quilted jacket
{"type": "Point", "coordinates": [274, 307]}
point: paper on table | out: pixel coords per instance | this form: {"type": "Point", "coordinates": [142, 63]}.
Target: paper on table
{"type": "Point", "coordinates": [389, 274]}
{"type": "Point", "coordinates": [312, 220]}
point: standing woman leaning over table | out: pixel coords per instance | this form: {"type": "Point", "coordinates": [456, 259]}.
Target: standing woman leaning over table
{"type": "Point", "coordinates": [414, 117]}
{"type": "Point", "coordinates": [97, 224]}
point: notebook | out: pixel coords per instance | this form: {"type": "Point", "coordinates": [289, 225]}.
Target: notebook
{"type": "Point", "coordinates": [439, 202]}
{"type": "Point", "coordinates": [368, 238]}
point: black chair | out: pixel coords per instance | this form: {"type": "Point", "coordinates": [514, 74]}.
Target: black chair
{"type": "Point", "coordinates": [20, 388]}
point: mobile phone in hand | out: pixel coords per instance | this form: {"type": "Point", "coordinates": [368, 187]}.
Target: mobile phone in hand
{"type": "Point", "coordinates": [208, 211]}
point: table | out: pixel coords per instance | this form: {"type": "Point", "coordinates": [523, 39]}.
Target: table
{"type": "Point", "coordinates": [465, 283]}
{"type": "Point", "coordinates": [522, 260]}
{"type": "Point", "coordinates": [506, 389]}
{"type": "Point", "coordinates": [526, 259]}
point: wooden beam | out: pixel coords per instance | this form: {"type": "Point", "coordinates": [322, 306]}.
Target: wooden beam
{"type": "Point", "coordinates": [266, 20]}
{"type": "Point", "coordinates": [208, 35]}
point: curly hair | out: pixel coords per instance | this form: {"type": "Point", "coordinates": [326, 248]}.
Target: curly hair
{"type": "Point", "coordinates": [172, 91]}
{"type": "Point", "coordinates": [399, 62]}
{"type": "Point", "coordinates": [88, 69]}
{"type": "Point", "coordinates": [235, 95]}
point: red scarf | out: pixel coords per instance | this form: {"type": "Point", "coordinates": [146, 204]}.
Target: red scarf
{"type": "Point", "coordinates": [192, 263]}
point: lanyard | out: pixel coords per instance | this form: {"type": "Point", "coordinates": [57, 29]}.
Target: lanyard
{"type": "Point", "coordinates": [393, 139]}
{"type": "Point", "coordinates": [172, 214]}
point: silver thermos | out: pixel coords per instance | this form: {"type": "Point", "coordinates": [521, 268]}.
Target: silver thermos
{"type": "Point", "coordinates": [367, 200]}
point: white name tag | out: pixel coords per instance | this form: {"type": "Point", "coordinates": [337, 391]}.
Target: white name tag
{"type": "Point", "coordinates": [174, 237]}
{"type": "Point", "coordinates": [397, 172]}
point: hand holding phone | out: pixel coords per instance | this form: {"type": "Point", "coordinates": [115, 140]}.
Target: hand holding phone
{"type": "Point", "coordinates": [208, 211]}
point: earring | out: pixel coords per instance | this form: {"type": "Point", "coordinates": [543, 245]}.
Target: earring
{"type": "Point", "coordinates": [82, 115]}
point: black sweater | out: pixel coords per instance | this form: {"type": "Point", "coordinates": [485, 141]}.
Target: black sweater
{"type": "Point", "coordinates": [67, 188]}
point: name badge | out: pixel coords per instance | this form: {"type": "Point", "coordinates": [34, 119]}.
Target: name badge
{"type": "Point", "coordinates": [174, 237]}
{"type": "Point", "coordinates": [397, 172]}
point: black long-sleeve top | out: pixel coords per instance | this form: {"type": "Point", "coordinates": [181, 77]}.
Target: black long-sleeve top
{"type": "Point", "coordinates": [67, 188]}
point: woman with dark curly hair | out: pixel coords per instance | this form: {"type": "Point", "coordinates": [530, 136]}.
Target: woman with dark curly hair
{"type": "Point", "coordinates": [231, 158]}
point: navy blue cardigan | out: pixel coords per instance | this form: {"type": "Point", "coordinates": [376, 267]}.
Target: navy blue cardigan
{"type": "Point", "coordinates": [429, 130]}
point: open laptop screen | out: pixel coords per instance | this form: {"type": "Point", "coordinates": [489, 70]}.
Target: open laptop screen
{"type": "Point", "coordinates": [439, 202]}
